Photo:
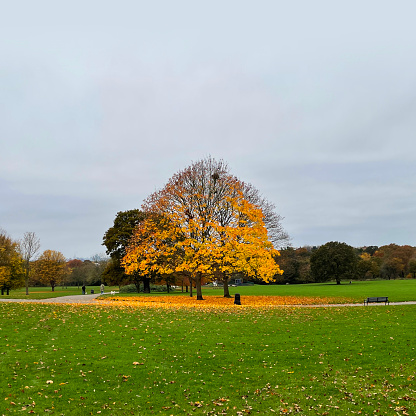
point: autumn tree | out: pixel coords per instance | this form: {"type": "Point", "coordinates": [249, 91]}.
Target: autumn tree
{"type": "Point", "coordinates": [50, 268]}
{"type": "Point", "coordinates": [368, 266]}
{"type": "Point", "coordinates": [395, 259]}
{"type": "Point", "coordinates": [29, 247]}
{"type": "Point", "coordinates": [11, 264]}
{"type": "Point", "coordinates": [199, 223]}
{"type": "Point", "coordinates": [296, 265]}
{"type": "Point", "coordinates": [412, 267]}
{"type": "Point", "coordinates": [333, 260]}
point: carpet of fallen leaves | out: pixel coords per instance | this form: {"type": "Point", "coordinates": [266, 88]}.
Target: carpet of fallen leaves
{"type": "Point", "coordinates": [212, 302]}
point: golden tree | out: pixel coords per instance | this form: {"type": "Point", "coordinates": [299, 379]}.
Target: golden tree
{"type": "Point", "coordinates": [50, 268]}
{"type": "Point", "coordinates": [11, 264]}
{"type": "Point", "coordinates": [200, 222]}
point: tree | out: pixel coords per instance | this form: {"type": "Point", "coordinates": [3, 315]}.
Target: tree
{"type": "Point", "coordinates": [368, 266]}
{"type": "Point", "coordinates": [392, 267]}
{"type": "Point", "coordinates": [412, 267]}
{"type": "Point", "coordinates": [296, 265]}
{"type": "Point", "coordinates": [50, 268]}
{"type": "Point", "coordinates": [29, 247]}
{"type": "Point", "coordinates": [11, 264]}
{"type": "Point", "coordinates": [333, 260]}
{"type": "Point", "coordinates": [199, 223]}
{"type": "Point", "coordinates": [116, 239]}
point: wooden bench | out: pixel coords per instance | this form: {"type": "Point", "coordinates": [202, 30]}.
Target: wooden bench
{"type": "Point", "coordinates": [379, 299]}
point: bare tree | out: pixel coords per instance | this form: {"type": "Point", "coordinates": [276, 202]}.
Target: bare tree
{"type": "Point", "coordinates": [272, 220]}
{"type": "Point", "coordinates": [29, 247]}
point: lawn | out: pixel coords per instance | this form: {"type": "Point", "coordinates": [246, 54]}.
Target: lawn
{"type": "Point", "coordinates": [125, 360]}
{"type": "Point", "coordinates": [46, 292]}
{"type": "Point", "coordinates": [396, 290]}
{"type": "Point", "coordinates": [356, 292]}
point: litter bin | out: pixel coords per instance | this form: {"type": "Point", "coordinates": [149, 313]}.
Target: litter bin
{"type": "Point", "coordinates": [92, 291]}
{"type": "Point", "coordinates": [237, 299]}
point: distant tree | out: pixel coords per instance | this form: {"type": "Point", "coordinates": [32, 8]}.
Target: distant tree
{"type": "Point", "coordinates": [370, 250]}
{"type": "Point", "coordinates": [49, 268]}
{"type": "Point", "coordinates": [11, 264]}
{"type": "Point", "coordinates": [412, 267]}
{"type": "Point", "coordinates": [368, 266]}
{"type": "Point", "coordinates": [333, 260]}
{"type": "Point", "coordinates": [402, 254]}
{"type": "Point", "coordinates": [295, 264]}
{"type": "Point", "coordinates": [392, 267]}
{"type": "Point", "coordinates": [75, 267]}
{"type": "Point", "coordinates": [29, 247]}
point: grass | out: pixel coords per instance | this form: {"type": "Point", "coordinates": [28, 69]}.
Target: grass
{"type": "Point", "coordinates": [396, 290]}
{"type": "Point", "coordinates": [121, 360]}
{"type": "Point", "coordinates": [357, 291]}
{"type": "Point", "coordinates": [46, 292]}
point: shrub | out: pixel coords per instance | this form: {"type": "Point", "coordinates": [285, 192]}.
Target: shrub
{"type": "Point", "coordinates": [153, 288]}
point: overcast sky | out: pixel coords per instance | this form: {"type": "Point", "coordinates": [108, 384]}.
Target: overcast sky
{"type": "Point", "coordinates": [313, 102]}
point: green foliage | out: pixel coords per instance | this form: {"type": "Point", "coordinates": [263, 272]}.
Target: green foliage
{"type": "Point", "coordinates": [120, 361]}
{"type": "Point", "coordinates": [117, 237]}
{"type": "Point", "coordinates": [333, 261]}
{"type": "Point", "coordinates": [116, 240]}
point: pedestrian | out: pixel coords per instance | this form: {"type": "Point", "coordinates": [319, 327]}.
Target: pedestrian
{"type": "Point", "coordinates": [83, 290]}
{"type": "Point", "coordinates": [102, 288]}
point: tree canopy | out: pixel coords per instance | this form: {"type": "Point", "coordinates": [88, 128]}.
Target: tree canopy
{"type": "Point", "coordinates": [333, 260]}
{"type": "Point", "coordinates": [201, 222]}
{"type": "Point", "coordinates": [11, 264]}
{"type": "Point", "coordinates": [50, 268]}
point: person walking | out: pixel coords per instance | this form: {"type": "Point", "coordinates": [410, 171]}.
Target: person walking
{"type": "Point", "coordinates": [83, 289]}
{"type": "Point", "coordinates": [102, 288]}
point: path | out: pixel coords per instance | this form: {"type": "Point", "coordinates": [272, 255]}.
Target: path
{"type": "Point", "coordinates": [61, 299]}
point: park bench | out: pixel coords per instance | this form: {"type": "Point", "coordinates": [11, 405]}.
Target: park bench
{"type": "Point", "coordinates": [379, 299]}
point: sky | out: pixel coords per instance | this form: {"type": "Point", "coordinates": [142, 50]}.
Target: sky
{"type": "Point", "coordinates": [314, 103]}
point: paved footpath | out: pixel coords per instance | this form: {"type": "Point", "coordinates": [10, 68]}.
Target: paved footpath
{"type": "Point", "coordinates": [61, 299]}
{"type": "Point", "coordinates": [90, 299]}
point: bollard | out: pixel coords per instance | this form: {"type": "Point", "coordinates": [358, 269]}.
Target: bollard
{"type": "Point", "coordinates": [237, 299]}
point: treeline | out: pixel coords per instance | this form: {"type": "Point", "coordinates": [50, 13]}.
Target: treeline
{"type": "Point", "coordinates": [371, 262]}
{"type": "Point", "coordinates": [22, 265]}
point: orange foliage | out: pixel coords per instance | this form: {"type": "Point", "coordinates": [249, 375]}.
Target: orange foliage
{"type": "Point", "coordinates": [201, 223]}
{"type": "Point", "coordinates": [215, 302]}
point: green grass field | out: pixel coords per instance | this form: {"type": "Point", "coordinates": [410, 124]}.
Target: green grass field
{"type": "Point", "coordinates": [396, 290]}
{"type": "Point", "coordinates": [46, 292]}
{"type": "Point", "coordinates": [95, 359]}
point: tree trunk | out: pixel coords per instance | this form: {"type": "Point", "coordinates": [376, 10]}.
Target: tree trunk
{"type": "Point", "coordinates": [338, 282]}
{"type": "Point", "coordinates": [198, 279]}
{"type": "Point", "coordinates": [190, 288]}
{"type": "Point", "coordinates": [226, 288]}
{"type": "Point", "coordinates": [53, 288]}
{"type": "Point", "coordinates": [7, 291]}
{"type": "Point", "coordinates": [186, 288]}
{"type": "Point", "coordinates": [146, 285]}
{"type": "Point", "coordinates": [27, 280]}
{"type": "Point", "coordinates": [167, 286]}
